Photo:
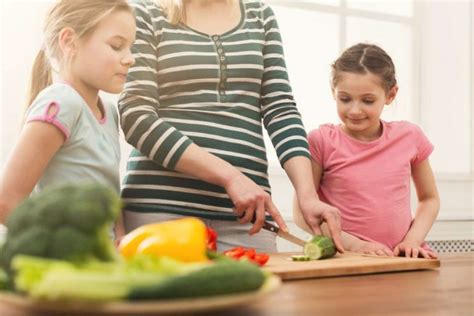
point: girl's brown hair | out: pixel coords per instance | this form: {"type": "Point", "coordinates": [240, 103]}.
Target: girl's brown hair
{"type": "Point", "coordinates": [80, 15]}
{"type": "Point", "coordinates": [365, 58]}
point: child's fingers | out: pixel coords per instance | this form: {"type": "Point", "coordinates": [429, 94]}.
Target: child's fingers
{"type": "Point", "coordinates": [396, 251]}
{"type": "Point", "coordinates": [407, 252]}
{"type": "Point", "coordinates": [414, 253]}
{"type": "Point", "coordinates": [424, 253]}
{"type": "Point", "coordinates": [388, 252]}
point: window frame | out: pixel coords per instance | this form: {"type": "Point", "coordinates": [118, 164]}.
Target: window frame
{"type": "Point", "coordinates": [343, 12]}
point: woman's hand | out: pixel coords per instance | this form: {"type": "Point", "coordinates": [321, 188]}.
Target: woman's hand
{"type": "Point", "coordinates": [316, 212]}
{"type": "Point", "coordinates": [414, 250]}
{"type": "Point", "coordinates": [250, 201]}
{"type": "Point", "coordinates": [371, 248]}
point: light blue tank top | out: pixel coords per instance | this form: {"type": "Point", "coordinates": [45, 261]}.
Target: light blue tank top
{"type": "Point", "coordinates": [91, 152]}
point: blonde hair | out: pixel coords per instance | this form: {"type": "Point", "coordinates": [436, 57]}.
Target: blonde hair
{"type": "Point", "coordinates": [80, 15]}
{"type": "Point", "coordinates": [174, 10]}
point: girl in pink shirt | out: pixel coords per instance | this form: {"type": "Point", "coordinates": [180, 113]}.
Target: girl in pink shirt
{"type": "Point", "coordinates": [362, 167]}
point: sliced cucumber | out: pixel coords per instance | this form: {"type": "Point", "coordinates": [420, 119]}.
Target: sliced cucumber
{"type": "Point", "coordinates": [319, 247]}
{"type": "Point", "coordinates": [300, 258]}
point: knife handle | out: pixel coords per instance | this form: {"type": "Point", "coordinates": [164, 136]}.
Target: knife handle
{"type": "Point", "coordinates": [266, 225]}
{"type": "Point", "coordinates": [270, 227]}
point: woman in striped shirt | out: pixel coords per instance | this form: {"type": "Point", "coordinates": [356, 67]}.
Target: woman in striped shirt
{"type": "Point", "coordinates": [207, 75]}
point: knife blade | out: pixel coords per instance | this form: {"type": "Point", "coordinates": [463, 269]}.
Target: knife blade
{"type": "Point", "coordinates": [275, 229]}
{"type": "Point", "coordinates": [287, 236]}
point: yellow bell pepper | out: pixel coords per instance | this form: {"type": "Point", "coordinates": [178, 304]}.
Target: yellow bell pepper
{"type": "Point", "coordinates": [182, 239]}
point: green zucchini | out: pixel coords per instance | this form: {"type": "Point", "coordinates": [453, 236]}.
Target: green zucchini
{"type": "Point", "coordinates": [220, 278]}
{"type": "Point", "coordinates": [300, 258]}
{"type": "Point", "coordinates": [319, 247]}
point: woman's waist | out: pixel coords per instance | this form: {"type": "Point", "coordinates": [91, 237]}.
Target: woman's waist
{"type": "Point", "coordinates": [145, 173]}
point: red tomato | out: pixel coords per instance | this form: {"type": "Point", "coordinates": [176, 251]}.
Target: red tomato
{"type": "Point", "coordinates": [250, 253]}
{"type": "Point", "coordinates": [211, 239]}
{"type": "Point", "coordinates": [261, 258]}
{"type": "Point", "coordinates": [235, 253]}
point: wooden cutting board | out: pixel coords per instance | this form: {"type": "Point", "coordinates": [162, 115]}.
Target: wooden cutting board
{"type": "Point", "coordinates": [343, 264]}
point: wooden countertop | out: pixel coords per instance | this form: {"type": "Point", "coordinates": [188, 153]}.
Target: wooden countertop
{"type": "Point", "coordinates": [448, 290]}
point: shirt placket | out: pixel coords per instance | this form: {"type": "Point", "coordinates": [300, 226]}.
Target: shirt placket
{"type": "Point", "coordinates": [222, 60]}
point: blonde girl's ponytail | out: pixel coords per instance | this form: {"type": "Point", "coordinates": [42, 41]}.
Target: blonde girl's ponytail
{"type": "Point", "coordinates": [41, 76]}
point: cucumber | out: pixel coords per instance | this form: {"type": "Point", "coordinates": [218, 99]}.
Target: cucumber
{"type": "Point", "coordinates": [319, 247]}
{"type": "Point", "coordinates": [300, 258]}
{"type": "Point", "coordinates": [220, 278]}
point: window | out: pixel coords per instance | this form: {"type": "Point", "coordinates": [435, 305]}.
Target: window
{"type": "Point", "coordinates": [315, 33]}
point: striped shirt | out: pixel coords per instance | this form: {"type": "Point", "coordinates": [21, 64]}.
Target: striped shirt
{"type": "Point", "coordinates": [212, 90]}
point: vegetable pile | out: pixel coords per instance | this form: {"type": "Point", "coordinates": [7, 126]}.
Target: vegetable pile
{"type": "Point", "coordinates": [59, 247]}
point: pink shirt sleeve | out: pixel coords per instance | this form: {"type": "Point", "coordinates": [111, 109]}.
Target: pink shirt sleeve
{"type": "Point", "coordinates": [316, 146]}
{"type": "Point", "coordinates": [423, 146]}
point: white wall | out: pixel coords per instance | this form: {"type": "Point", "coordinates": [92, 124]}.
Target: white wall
{"type": "Point", "coordinates": [18, 50]}
{"type": "Point", "coordinates": [445, 90]}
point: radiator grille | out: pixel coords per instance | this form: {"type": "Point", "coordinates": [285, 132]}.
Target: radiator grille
{"type": "Point", "coordinates": [442, 246]}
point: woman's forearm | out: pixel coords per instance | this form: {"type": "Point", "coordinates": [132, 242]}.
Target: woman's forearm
{"type": "Point", "coordinates": [251, 202]}
{"type": "Point", "coordinates": [299, 171]}
{"type": "Point", "coordinates": [198, 163]}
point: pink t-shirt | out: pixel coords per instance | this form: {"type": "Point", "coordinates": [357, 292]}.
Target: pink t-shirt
{"type": "Point", "coordinates": [369, 182]}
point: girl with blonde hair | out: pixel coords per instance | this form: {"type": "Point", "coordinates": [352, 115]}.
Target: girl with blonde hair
{"type": "Point", "coordinates": [70, 134]}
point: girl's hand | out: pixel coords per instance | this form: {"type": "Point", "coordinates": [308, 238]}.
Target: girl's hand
{"type": "Point", "coordinates": [250, 201]}
{"type": "Point", "coordinates": [413, 250]}
{"type": "Point", "coordinates": [371, 248]}
{"type": "Point", "coordinates": [316, 212]}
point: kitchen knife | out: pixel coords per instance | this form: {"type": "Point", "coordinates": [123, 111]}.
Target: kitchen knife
{"type": "Point", "coordinates": [275, 229]}
{"type": "Point", "coordinates": [282, 234]}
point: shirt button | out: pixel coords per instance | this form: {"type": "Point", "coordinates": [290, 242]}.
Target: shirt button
{"type": "Point", "coordinates": [220, 50]}
{"type": "Point", "coordinates": [222, 58]}
{"type": "Point", "coordinates": [215, 37]}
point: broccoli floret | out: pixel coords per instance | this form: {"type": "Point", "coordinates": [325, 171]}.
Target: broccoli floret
{"type": "Point", "coordinates": [70, 222]}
